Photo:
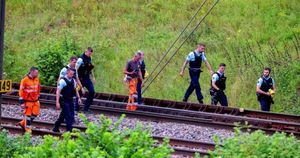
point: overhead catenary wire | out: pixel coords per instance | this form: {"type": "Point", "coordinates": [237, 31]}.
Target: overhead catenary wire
{"type": "Point", "coordinates": [207, 13]}
{"type": "Point", "coordinates": [172, 45]}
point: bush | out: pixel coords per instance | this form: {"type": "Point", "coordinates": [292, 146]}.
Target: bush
{"type": "Point", "coordinates": [52, 56]}
{"type": "Point", "coordinates": [258, 145]}
{"type": "Point", "coordinates": [10, 146]}
{"type": "Point", "coordinates": [100, 141]}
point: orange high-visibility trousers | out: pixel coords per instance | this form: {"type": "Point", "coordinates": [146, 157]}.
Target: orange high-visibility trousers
{"type": "Point", "coordinates": [132, 84]}
{"type": "Point", "coordinates": [32, 108]}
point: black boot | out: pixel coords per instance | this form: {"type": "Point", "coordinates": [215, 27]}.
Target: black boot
{"type": "Point", "coordinates": [55, 129]}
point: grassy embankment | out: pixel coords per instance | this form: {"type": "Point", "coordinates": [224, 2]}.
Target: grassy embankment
{"type": "Point", "coordinates": [246, 35]}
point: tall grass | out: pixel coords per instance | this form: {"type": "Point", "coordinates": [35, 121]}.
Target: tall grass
{"type": "Point", "coordinates": [246, 35]}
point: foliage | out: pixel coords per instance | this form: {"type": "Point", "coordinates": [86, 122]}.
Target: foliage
{"type": "Point", "coordinates": [100, 141]}
{"type": "Point", "coordinates": [258, 145]}
{"type": "Point", "coordinates": [52, 56]}
{"type": "Point", "coordinates": [234, 32]}
{"type": "Point", "coordinates": [10, 145]}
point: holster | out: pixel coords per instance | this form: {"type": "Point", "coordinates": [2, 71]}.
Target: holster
{"type": "Point", "coordinates": [214, 92]}
{"type": "Point", "coordinates": [211, 91]}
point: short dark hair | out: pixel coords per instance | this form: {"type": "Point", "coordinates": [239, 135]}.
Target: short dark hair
{"type": "Point", "coordinates": [73, 58]}
{"type": "Point", "coordinates": [71, 69]}
{"type": "Point", "coordinates": [222, 64]}
{"type": "Point", "coordinates": [33, 68]}
{"type": "Point", "coordinates": [201, 44]}
{"type": "Point", "coordinates": [267, 68]}
{"type": "Point", "coordinates": [90, 49]}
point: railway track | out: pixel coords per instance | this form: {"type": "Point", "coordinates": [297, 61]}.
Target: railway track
{"type": "Point", "coordinates": [220, 121]}
{"type": "Point", "coordinates": [188, 113]}
{"type": "Point", "coordinates": [180, 146]}
{"type": "Point", "coordinates": [189, 106]}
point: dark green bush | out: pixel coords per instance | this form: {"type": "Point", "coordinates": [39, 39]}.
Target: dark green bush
{"type": "Point", "coordinates": [52, 56]}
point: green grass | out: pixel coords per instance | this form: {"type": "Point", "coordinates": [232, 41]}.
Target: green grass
{"type": "Point", "coordinates": [237, 32]}
{"type": "Point", "coordinates": [257, 144]}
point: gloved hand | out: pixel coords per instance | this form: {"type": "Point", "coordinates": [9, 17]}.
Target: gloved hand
{"type": "Point", "coordinates": [271, 92]}
{"type": "Point", "coordinates": [22, 103]}
{"type": "Point", "coordinates": [146, 74]}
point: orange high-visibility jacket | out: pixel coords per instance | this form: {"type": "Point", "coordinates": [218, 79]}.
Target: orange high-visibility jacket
{"type": "Point", "coordinates": [30, 89]}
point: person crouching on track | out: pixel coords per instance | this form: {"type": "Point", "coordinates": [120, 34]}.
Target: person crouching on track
{"type": "Point", "coordinates": [29, 98]}
{"type": "Point", "coordinates": [65, 93]}
{"type": "Point", "coordinates": [265, 89]}
{"type": "Point", "coordinates": [218, 85]}
{"type": "Point", "coordinates": [133, 72]}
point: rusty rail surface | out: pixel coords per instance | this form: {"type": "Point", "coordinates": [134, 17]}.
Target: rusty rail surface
{"type": "Point", "coordinates": [184, 116]}
{"type": "Point", "coordinates": [190, 106]}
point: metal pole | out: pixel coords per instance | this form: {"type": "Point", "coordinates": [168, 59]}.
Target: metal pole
{"type": "Point", "coordinates": [2, 18]}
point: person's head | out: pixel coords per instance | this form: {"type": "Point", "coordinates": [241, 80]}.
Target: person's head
{"type": "Point", "coordinates": [89, 51]}
{"type": "Point", "coordinates": [142, 54]}
{"type": "Point", "coordinates": [73, 61]}
{"type": "Point", "coordinates": [200, 47]}
{"type": "Point", "coordinates": [222, 67]}
{"type": "Point", "coordinates": [33, 72]}
{"type": "Point", "coordinates": [137, 56]}
{"type": "Point", "coordinates": [267, 72]}
{"type": "Point", "coordinates": [70, 72]}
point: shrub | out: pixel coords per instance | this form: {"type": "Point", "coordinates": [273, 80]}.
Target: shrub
{"type": "Point", "coordinates": [52, 56]}
{"type": "Point", "coordinates": [10, 146]}
{"type": "Point", "coordinates": [100, 141]}
{"type": "Point", "coordinates": [258, 145]}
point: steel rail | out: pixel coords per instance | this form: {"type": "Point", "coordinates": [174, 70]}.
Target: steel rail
{"type": "Point", "coordinates": [189, 106]}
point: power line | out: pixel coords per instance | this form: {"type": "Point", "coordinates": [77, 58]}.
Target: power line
{"type": "Point", "coordinates": [172, 45]}
{"type": "Point", "coordinates": [181, 45]}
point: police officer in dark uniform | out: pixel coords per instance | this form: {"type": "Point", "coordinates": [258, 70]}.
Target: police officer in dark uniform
{"type": "Point", "coordinates": [84, 69]}
{"type": "Point", "coordinates": [65, 93]}
{"type": "Point", "coordinates": [265, 88]}
{"type": "Point", "coordinates": [218, 85]}
{"type": "Point", "coordinates": [195, 59]}
{"type": "Point", "coordinates": [139, 84]}
{"type": "Point", "coordinates": [63, 73]}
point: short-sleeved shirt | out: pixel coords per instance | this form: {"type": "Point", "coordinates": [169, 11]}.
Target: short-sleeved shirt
{"type": "Point", "coordinates": [63, 72]}
{"type": "Point", "coordinates": [133, 66]}
{"type": "Point", "coordinates": [62, 83]}
{"type": "Point", "coordinates": [260, 81]}
{"type": "Point", "coordinates": [79, 62]}
{"type": "Point", "coordinates": [215, 77]}
{"type": "Point", "coordinates": [191, 56]}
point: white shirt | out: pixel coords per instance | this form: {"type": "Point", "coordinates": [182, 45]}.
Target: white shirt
{"type": "Point", "coordinates": [191, 56]}
{"type": "Point", "coordinates": [62, 83]}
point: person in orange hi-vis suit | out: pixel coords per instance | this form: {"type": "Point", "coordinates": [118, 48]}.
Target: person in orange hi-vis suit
{"type": "Point", "coordinates": [133, 73]}
{"type": "Point", "coordinates": [29, 98]}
